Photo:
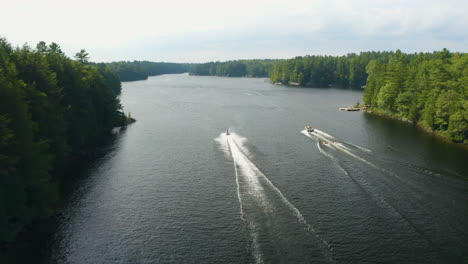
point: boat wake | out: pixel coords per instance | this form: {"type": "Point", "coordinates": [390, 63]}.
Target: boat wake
{"type": "Point", "coordinates": [265, 209]}
{"type": "Point", "coordinates": [411, 196]}
{"type": "Point", "coordinates": [335, 144]}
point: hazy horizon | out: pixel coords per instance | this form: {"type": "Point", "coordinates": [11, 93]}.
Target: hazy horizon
{"type": "Point", "coordinates": [203, 31]}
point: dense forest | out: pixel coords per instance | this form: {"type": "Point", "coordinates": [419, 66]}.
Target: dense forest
{"type": "Point", "coordinates": [428, 89]}
{"type": "Point", "coordinates": [320, 71]}
{"type": "Point", "coordinates": [141, 70]}
{"type": "Point", "coordinates": [53, 110]}
{"type": "Point", "coordinates": [237, 68]}
{"type": "Point", "coordinates": [324, 71]}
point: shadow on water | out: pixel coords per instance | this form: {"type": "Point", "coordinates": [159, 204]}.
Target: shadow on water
{"type": "Point", "coordinates": [35, 243]}
{"type": "Point", "coordinates": [409, 142]}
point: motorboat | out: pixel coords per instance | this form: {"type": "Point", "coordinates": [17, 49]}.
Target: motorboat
{"type": "Point", "coordinates": [309, 129]}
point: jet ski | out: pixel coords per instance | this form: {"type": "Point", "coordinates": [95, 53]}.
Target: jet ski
{"type": "Point", "coordinates": [309, 129]}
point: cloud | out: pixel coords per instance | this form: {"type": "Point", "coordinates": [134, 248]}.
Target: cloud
{"type": "Point", "coordinates": [203, 30]}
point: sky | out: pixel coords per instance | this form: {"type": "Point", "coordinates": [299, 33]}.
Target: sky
{"type": "Point", "coordinates": [217, 30]}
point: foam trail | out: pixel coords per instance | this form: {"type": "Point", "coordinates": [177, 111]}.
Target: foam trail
{"type": "Point", "coordinates": [341, 147]}
{"type": "Point", "coordinates": [350, 153]}
{"type": "Point", "coordinates": [332, 137]}
{"type": "Point", "coordinates": [359, 147]}
{"type": "Point", "coordinates": [305, 133]}
{"type": "Point", "coordinates": [345, 150]}
{"type": "Point", "coordinates": [222, 139]}
{"type": "Point", "coordinates": [413, 187]}
{"type": "Point", "coordinates": [242, 214]}
{"type": "Point", "coordinates": [257, 253]}
{"type": "Point", "coordinates": [253, 184]}
{"type": "Point", "coordinates": [378, 199]}
{"type": "Point", "coordinates": [243, 162]}
{"type": "Point", "coordinates": [408, 183]}
{"type": "Point", "coordinates": [249, 169]}
{"type": "Point", "coordinates": [324, 134]}
{"type": "Point", "coordinates": [323, 152]}
{"type": "Point", "coordinates": [337, 163]}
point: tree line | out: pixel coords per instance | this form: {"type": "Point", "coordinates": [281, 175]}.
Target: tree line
{"type": "Point", "coordinates": [53, 110]}
{"type": "Point", "coordinates": [319, 71]}
{"type": "Point", "coordinates": [428, 89]}
{"type": "Point", "coordinates": [325, 71]}
{"type": "Point", "coordinates": [141, 70]}
{"type": "Point", "coordinates": [236, 68]}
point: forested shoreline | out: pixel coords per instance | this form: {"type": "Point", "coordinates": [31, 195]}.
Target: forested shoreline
{"type": "Point", "coordinates": [53, 110]}
{"type": "Point", "coordinates": [236, 68]}
{"type": "Point", "coordinates": [141, 70]}
{"type": "Point", "coordinates": [427, 89]}
{"type": "Point", "coordinates": [325, 71]}
{"type": "Point", "coordinates": [309, 71]}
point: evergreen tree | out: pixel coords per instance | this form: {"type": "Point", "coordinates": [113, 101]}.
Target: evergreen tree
{"type": "Point", "coordinates": [52, 110]}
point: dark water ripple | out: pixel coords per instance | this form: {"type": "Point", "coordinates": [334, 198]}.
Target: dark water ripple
{"type": "Point", "coordinates": [167, 192]}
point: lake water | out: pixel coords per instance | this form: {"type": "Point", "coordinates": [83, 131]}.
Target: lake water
{"type": "Point", "coordinates": [174, 188]}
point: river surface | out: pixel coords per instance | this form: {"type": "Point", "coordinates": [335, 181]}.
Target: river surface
{"type": "Point", "coordinates": [174, 188]}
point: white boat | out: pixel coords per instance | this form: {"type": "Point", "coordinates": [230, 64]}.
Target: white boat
{"type": "Point", "coordinates": [309, 129]}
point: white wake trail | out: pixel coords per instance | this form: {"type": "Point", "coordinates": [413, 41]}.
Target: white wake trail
{"type": "Point", "coordinates": [323, 152]}
{"type": "Point", "coordinates": [324, 134]}
{"type": "Point", "coordinates": [359, 147]}
{"type": "Point", "coordinates": [254, 174]}
{"type": "Point", "coordinates": [319, 132]}
{"type": "Point", "coordinates": [223, 142]}
{"type": "Point", "coordinates": [339, 146]}
{"type": "Point", "coordinates": [416, 190]}
{"type": "Point", "coordinates": [343, 146]}
{"type": "Point", "coordinates": [254, 186]}
{"type": "Point", "coordinates": [256, 252]}
{"type": "Point", "coordinates": [250, 171]}
{"type": "Point", "coordinates": [378, 198]}
{"type": "Point", "coordinates": [336, 145]}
